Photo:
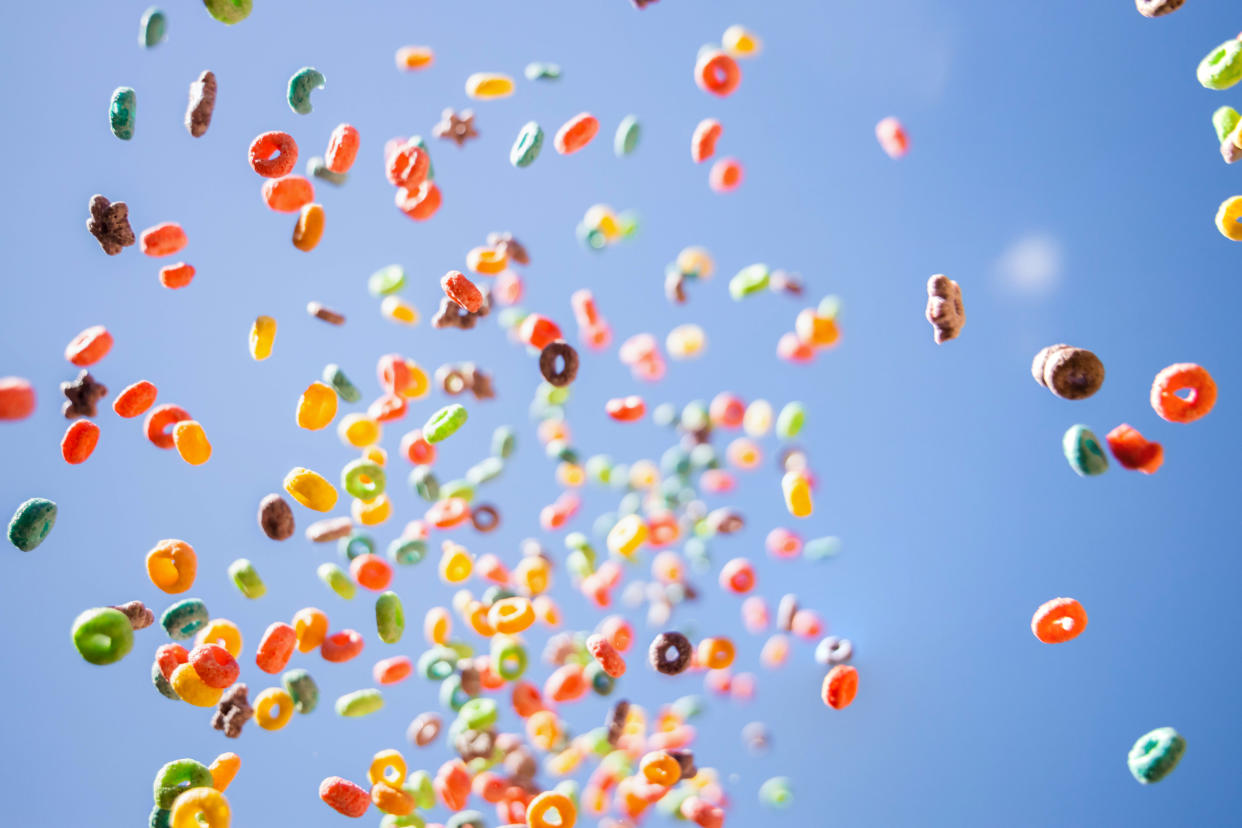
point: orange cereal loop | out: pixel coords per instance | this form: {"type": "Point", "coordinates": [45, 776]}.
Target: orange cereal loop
{"type": "Point", "coordinates": [703, 142]}
{"type": "Point", "coordinates": [391, 800]}
{"type": "Point", "coordinates": [90, 346]}
{"type": "Point", "coordinates": [725, 175]}
{"type": "Point", "coordinates": [840, 686]}
{"type": "Point", "coordinates": [172, 565]}
{"type": "Point", "coordinates": [716, 653]}
{"type": "Point", "coordinates": [576, 133]}
{"type": "Point", "coordinates": [135, 399]}
{"type": "Point", "coordinates": [511, 615]}
{"type": "Point", "coordinates": [408, 166]}
{"type": "Point", "coordinates": [717, 73]}
{"type": "Point", "coordinates": [1183, 376]}
{"type": "Point", "coordinates": [410, 58]}
{"type": "Point", "coordinates": [1059, 620]}
{"type": "Point", "coordinates": [159, 423]}
{"type": "Point", "coordinates": [309, 227]}
{"type": "Point", "coordinates": [223, 769]}
{"type": "Point", "coordinates": [162, 239]}
{"type": "Point", "coordinates": [342, 149]}
{"type": "Point", "coordinates": [1133, 451]}
{"type": "Point", "coordinates": [310, 626]}
{"type": "Point", "coordinates": [79, 441]}
{"type": "Point", "coordinates": [288, 194]}
{"type": "Point", "coordinates": [177, 275]}
{"type": "Point", "coordinates": [538, 813]}
{"type": "Point", "coordinates": [273, 154]}
{"type": "Point", "coordinates": [371, 571]}
{"type": "Point", "coordinates": [419, 204]}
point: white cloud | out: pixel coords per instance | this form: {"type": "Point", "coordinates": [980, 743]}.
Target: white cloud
{"type": "Point", "coordinates": [1032, 265]}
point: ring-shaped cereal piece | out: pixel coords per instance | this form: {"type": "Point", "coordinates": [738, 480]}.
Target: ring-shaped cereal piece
{"type": "Point", "coordinates": [419, 203]}
{"type": "Point", "coordinates": [703, 141]}
{"type": "Point", "coordinates": [511, 616]}
{"type": "Point", "coordinates": [90, 346]}
{"type": "Point", "coordinates": [1156, 754]}
{"type": "Point", "coordinates": [1156, 8]}
{"type": "Point", "coordinates": [200, 808]}
{"type": "Point", "coordinates": [576, 133]}
{"type": "Point", "coordinates": [725, 175]}
{"type": "Point", "coordinates": [603, 651]}
{"type": "Point", "coordinates": [562, 350]}
{"type": "Point", "coordinates": [309, 227]}
{"type": "Point", "coordinates": [172, 565]}
{"type": "Point", "coordinates": [424, 729]}
{"type": "Point", "coordinates": [660, 658]}
{"type": "Point", "coordinates": [1183, 376]}
{"type": "Point", "coordinates": [488, 261]}
{"type": "Point", "coordinates": [485, 86]}
{"type": "Point", "coordinates": [159, 422]}
{"type": "Point", "coordinates": [409, 166]}
{"type": "Point", "coordinates": [342, 149]}
{"type": "Point", "coordinates": [344, 796]}
{"type": "Point", "coordinates": [461, 290]}
{"type": "Point", "coordinates": [214, 665]}
{"type": "Point", "coordinates": [1222, 68]}
{"type": "Point", "coordinates": [273, 698]}
{"type": "Point", "coordinates": [1133, 451]}
{"type": "Point", "coordinates": [301, 84]}
{"type": "Point", "coordinates": [363, 479]}
{"type": "Point", "coordinates": [79, 441]}
{"type": "Point", "coordinates": [717, 73]}
{"type": "Point", "coordinates": [541, 807]}
{"type": "Point", "coordinates": [660, 768]}
{"type": "Point", "coordinates": [341, 646]}
{"type": "Point", "coordinates": [103, 635]}
{"type": "Point", "coordinates": [840, 686]}
{"type": "Point", "coordinates": [162, 239]}
{"type": "Point", "coordinates": [1058, 621]}
{"type": "Point", "coordinates": [447, 513]}
{"type": "Point", "coordinates": [273, 154]}
{"type": "Point", "coordinates": [626, 409]}
{"type": "Point", "coordinates": [288, 194]}
{"type": "Point", "coordinates": [716, 653]}
{"type": "Point", "coordinates": [485, 518]}
{"type": "Point", "coordinates": [1227, 218]}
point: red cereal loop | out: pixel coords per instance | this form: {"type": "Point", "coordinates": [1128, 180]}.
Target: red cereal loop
{"type": "Point", "coordinates": [703, 142]}
{"type": "Point", "coordinates": [159, 423]}
{"type": "Point", "coordinates": [341, 646]}
{"type": "Point", "coordinates": [419, 203]}
{"type": "Point", "coordinates": [408, 166]}
{"type": "Point", "coordinates": [416, 449]}
{"type": "Point", "coordinates": [717, 73]}
{"type": "Point", "coordinates": [214, 665]}
{"type": "Point", "coordinates": [576, 133]}
{"type": "Point", "coordinates": [288, 194]}
{"type": "Point", "coordinates": [162, 239]}
{"type": "Point", "coordinates": [392, 670]}
{"type": "Point", "coordinates": [840, 686]}
{"type": "Point", "coordinates": [1133, 451]}
{"type": "Point", "coordinates": [176, 275]}
{"type": "Point", "coordinates": [461, 290]}
{"type": "Point", "coordinates": [725, 175]}
{"type": "Point", "coordinates": [169, 657]}
{"type": "Point", "coordinates": [602, 651]}
{"type": "Point", "coordinates": [1059, 620]}
{"type": "Point", "coordinates": [17, 398]}
{"type": "Point", "coordinates": [273, 154]}
{"type": "Point", "coordinates": [452, 784]}
{"type": "Point", "coordinates": [394, 373]}
{"type": "Point", "coordinates": [539, 331]}
{"type": "Point", "coordinates": [79, 441]}
{"type": "Point", "coordinates": [90, 346]}
{"type": "Point", "coordinates": [344, 796]}
{"type": "Point", "coordinates": [626, 409]}
{"type": "Point", "coordinates": [276, 647]}
{"type": "Point", "coordinates": [388, 408]}
{"type": "Point", "coordinates": [371, 572]}
{"type": "Point", "coordinates": [1183, 376]}
{"type": "Point", "coordinates": [342, 149]}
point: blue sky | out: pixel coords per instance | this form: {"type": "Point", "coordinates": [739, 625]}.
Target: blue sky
{"type": "Point", "coordinates": [1062, 169]}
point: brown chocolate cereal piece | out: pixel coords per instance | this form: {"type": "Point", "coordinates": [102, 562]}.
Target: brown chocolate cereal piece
{"type": "Point", "coordinates": [139, 616]}
{"type": "Point", "coordinates": [325, 313]}
{"type": "Point", "coordinates": [1070, 373]}
{"type": "Point", "coordinates": [456, 128]}
{"type": "Point", "coordinates": [1157, 8]}
{"type": "Point", "coordinates": [329, 529]}
{"type": "Point", "coordinates": [109, 224]}
{"type": "Point", "coordinates": [562, 350]}
{"type": "Point", "coordinates": [661, 660]}
{"type": "Point", "coordinates": [83, 395]}
{"type": "Point", "coordinates": [202, 104]}
{"type": "Point", "coordinates": [275, 517]}
{"type": "Point", "coordinates": [944, 311]}
{"type": "Point", "coordinates": [615, 721]}
{"type": "Point", "coordinates": [233, 711]}
{"type": "Point", "coordinates": [510, 246]}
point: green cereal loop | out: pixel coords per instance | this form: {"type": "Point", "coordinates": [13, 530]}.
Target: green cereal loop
{"type": "Point", "coordinates": [152, 28]}
{"type": "Point", "coordinates": [1225, 121]}
{"type": "Point", "coordinates": [302, 689]}
{"type": "Point", "coordinates": [627, 223]}
{"type": "Point", "coordinates": [598, 467]}
{"type": "Point", "coordinates": [466, 819]}
{"type": "Point", "coordinates": [579, 564]}
{"type": "Point", "coordinates": [386, 280]}
{"type": "Point", "coordinates": [577, 540]}
{"type": "Point", "coordinates": [504, 441]}
{"type": "Point", "coordinates": [160, 818]}
{"type": "Point", "coordinates": [626, 139]}
{"type": "Point", "coordinates": [1222, 68]}
{"type": "Point", "coordinates": [103, 635]}
{"type": "Point", "coordinates": [538, 70]}
{"type": "Point", "coordinates": [359, 703]}
{"type": "Point", "coordinates": [1156, 754]}
{"type": "Point", "coordinates": [228, 11]}
{"type": "Point", "coordinates": [162, 684]}
{"type": "Point", "coordinates": [318, 168]}
{"type": "Point", "coordinates": [352, 482]}
{"type": "Point", "coordinates": [452, 695]}
{"type": "Point", "coordinates": [438, 663]}
{"type": "Point", "coordinates": [407, 551]}
{"type": "Point", "coordinates": [479, 714]}
{"type": "Point", "coordinates": [457, 488]}
{"type": "Point", "coordinates": [551, 394]}
{"type": "Point", "coordinates": [790, 421]}
{"type": "Point", "coordinates": [821, 548]}
{"type": "Point", "coordinates": [527, 145]}
{"type": "Point", "coordinates": [184, 618]}
{"type": "Point", "coordinates": [597, 741]}
{"type": "Point", "coordinates": [31, 523]}
{"type": "Point", "coordinates": [460, 648]}
{"type": "Point", "coordinates": [592, 237]}
{"type": "Point", "coordinates": [560, 450]}
{"type": "Point", "coordinates": [354, 544]}
{"type": "Point", "coordinates": [177, 777]}
{"type": "Point", "coordinates": [300, 85]}
{"type": "Point", "coordinates": [389, 617]}
{"type": "Point", "coordinates": [776, 792]}
{"type": "Point", "coordinates": [122, 110]}
{"type": "Point", "coordinates": [425, 483]}
{"type": "Point", "coordinates": [1083, 451]}
{"type": "Point", "coordinates": [418, 785]}
{"type": "Point", "coordinates": [485, 471]}
{"type": "Point", "coordinates": [337, 580]}
{"type": "Point", "coordinates": [444, 423]}
{"type": "Point", "coordinates": [411, 820]}
{"type": "Point", "coordinates": [508, 657]}
{"type": "Point", "coordinates": [246, 578]}
{"type": "Point", "coordinates": [334, 376]}
{"type": "Point", "coordinates": [749, 280]}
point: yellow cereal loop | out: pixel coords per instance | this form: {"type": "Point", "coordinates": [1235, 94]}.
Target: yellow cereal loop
{"type": "Point", "coordinates": [358, 430]}
{"type": "Point", "coordinates": [1227, 218]}
{"type": "Point", "coordinates": [376, 455]}
{"type": "Point", "coordinates": [382, 763]}
{"type": "Point", "coordinates": [757, 420]}
{"type": "Point", "coordinates": [310, 489]}
{"type": "Point", "coordinates": [411, 58]}
{"type": "Point", "coordinates": [570, 475]}
{"type": "Point", "coordinates": [222, 632]}
{"type": "Point", "coordinates": [191, 688]}
{"type": "Point", "coordinates": [686, 341]}
{"type": "Point", "coordinates": [603, 219]}
{"type": "Point", "coordinates": [627, 535]}
{"type": "Point", "coordinates": [316, 406]}
{"type": "Point", "coordinates": [273, 698]}
{"type": "Point", "coordinates": [486, 86]}
{"type": "Point", "coordinates": [399, 310]}
{"type": "Point", "coordinates": [200, 808]}
{"type": "Point", "coordinates": [419, 384]}
{"type": "Point", "coordinates": [262, 335]}
{"type": "Point", "coordinates": [797, 490]}
{"type": "Point", "coordinates": [191, 442]}
{"type": "Point", "coordinates": [739, 42]}
{"type": "Point", "coordinates": [371, 512]}
{"type": "Point", "coordinates": [456, 564]}
{"type": "Point", "coordinates": [487, 260]}
{"type": "Point", "coordinates": [223, 769]}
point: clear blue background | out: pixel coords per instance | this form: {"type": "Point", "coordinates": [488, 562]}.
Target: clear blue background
{"type": "Point", "coordinates": [940, 467]}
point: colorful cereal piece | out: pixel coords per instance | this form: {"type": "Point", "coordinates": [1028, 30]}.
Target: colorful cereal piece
{"type": "Point", "coordinates": [1133, 451]}
{"type": "Point", "coordinates": [1058, 621]}
{"type": "Point", "coordinates": [17, 398]}
{"type": "Point", "coordinates": [539, 70]}
{"type": "Point", "coordinates": [444, 423]}
{"type": "Point", "coordinates": [527, 145]}
{"type": "Point", "coordinates": [1222, 68]}
{"type": "Point", "coordinates": [122, 110]}
{"type": "Point", "coordinates": [301, 84]}
{"type": "Point", "coordinates": [576, 133]}
{"type": "Point", "coordinates": [359, 703]}
{"type": "Point", "coordinates": [797, 491]}
{"type": "Point", "coordinates": [262, 336]}
{"type": "Point", "coordinates": [716, 72]}
{"type": "Point", "coordinates": [162, 239]}
{"type": "Point", "coordinates": [102, 635]}
{"type": "Point", "coordinates": [412, 58]}
{"type": "Point", "coordinates": [31, 523]}
{"type": "Point", "coordinates": [725, 175]}
{"type": "Point", "coordinates": [79, 441]}
{"type": "Point", "coordinates": [287, 195]}
{"type": "Point", "coordinates": [1083, 451]}
{"type": "Point", "coordinates": [1155, 755]}
{"type": "Point", "coordinates": [461, 290]}
{"type": "Point", "coordinates": [177, 275]}
{"type": "Point", "coordinates": [228, 11]}
{"type": "Point", "coordinates": [703, 141]}
{"type": "Point", "coordinates": [386, 280]}
{"type": "Point", "coordinates": [158, 422]}
{"type": "Point", "coordinates": [944, 308]}
{"type": "Point", "coordinates": [202, 103]}
{"type": "Point", "coordinates": [316, 407]}
{"type": "Point", "coordinates": [342, 149]}
{"type": "Point", "coordinates": [892, 137]}
{"type": "Point", "coordinates": [310, 489]}
{"type": "Point", "coordinates": [246, 578]}
{"type": "Point", "coordinates": [273, 698]}
{"type": "Point", "coordinates": [1183, 376]}
{"type": "Point", "coordinates": [273, 154]}
{"type": "Point", "coordinates": [90, 346]}
{"type": "Point", "coordinates": [486, 86]}
{"type": "Point", "coordinates": [152, 28]}
{"type": "Point", "coordinates": [344, 796]}
{"type": "Point", "coordinates": [840, 686]}
{"type": "Point", "coordinates": [1157, 8]}
{"type": "Point", "coordinates": [1229, 218]}
{"type": "Point", "coordinates": [191, 442]}
{"type": "Point", "coordinates": [739, 41]}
